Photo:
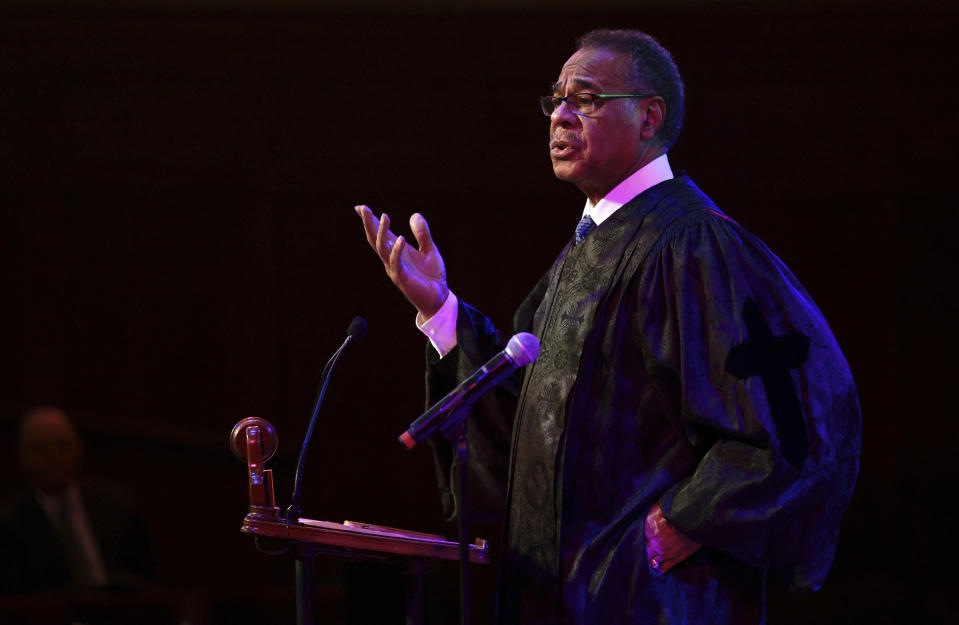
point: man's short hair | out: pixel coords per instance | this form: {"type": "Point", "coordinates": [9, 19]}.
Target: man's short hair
{"type": "Point", "coordinates": [654, 72]}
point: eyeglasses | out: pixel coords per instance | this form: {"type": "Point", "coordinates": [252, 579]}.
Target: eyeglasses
{"type": "Point", "coordinates": [583, 103]}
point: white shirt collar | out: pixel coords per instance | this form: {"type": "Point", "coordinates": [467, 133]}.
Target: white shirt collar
{"type": "Point", "coordinates": [649, 175]}
{"type": "Point", "coordinates": [52, 504]}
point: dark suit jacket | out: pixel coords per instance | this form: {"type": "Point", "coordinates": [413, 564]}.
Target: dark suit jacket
{"type": "Point", "coordinates": [33, 559]}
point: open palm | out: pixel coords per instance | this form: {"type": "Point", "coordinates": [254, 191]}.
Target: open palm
{"type": "Point", "coordinates": [419, 273]}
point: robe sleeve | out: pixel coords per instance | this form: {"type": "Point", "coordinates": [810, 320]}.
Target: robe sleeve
{"type": "Point", "coordinates": [710, 289]}
{"type": "Point", "coordinates": [489, 424]}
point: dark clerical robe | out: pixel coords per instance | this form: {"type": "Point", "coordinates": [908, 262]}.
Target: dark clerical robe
{"type": "Point", "coordinates": [681, 362]}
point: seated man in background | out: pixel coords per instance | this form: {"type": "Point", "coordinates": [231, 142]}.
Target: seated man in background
{"type": "Point", "coordinates": [59, 533]}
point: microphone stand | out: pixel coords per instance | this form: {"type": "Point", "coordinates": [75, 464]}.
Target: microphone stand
{"type": "Point", "coordinates": [450, 415]}
{"type": "Point", "coordinates": [455, 428]}
{"type": "Point", "coordinates": [303, 560]}
{"type": "Point", "coordinates": [462, 458]}
{"type": "Point", "coordinates": [305, 570]}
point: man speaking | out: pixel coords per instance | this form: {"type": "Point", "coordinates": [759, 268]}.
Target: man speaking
{"type": "Point", "coordinates": [690, 423]}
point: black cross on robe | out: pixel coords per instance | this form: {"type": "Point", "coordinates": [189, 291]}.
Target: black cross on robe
{"type": "Point", "coordinates": [771, 358]}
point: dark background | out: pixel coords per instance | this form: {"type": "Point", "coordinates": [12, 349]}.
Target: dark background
{"type": "Point", "coordinates": [179, 249]}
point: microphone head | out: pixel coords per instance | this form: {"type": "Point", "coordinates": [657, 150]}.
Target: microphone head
{"type": "Point", "coordinates": [357, 329]}
{"type": "Point", "coordinates": [523, 349]}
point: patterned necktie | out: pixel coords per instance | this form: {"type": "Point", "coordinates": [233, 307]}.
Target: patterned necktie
{"type": "Point", "coordinates": [78, 558]}
{"type": "Point", "coordinates": [584, 227]}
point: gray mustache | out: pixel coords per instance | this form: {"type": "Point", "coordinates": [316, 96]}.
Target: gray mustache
{"type": "Point", "coordinates": [564, 139]}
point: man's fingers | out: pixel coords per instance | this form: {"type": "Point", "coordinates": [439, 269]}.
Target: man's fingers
{"type": "Point", "coordinates": [370, 223]}
{"type": "Point", "coordinates": [394, 259]}
{"type": "Point", "coordinates": [421, 231]}
{"type": "Point", "coordinates": [384, 239]}
{"type": "Point", "coordinates": [378, 233]}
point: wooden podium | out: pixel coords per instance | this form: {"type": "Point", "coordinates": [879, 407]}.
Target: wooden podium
{"type": "Point", "coordinates": [254, 441]}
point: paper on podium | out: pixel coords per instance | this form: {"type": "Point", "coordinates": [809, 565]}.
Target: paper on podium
{"type": "Point", "coordinates": [353, 535]}
{"type": "Point", "coordinates": [368, 528]}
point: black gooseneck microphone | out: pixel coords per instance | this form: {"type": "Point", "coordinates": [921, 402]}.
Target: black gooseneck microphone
{"type": "Point", "coordinates": [356, 332]}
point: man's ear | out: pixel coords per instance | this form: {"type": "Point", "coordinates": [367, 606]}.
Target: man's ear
{"type": "Point", "coordinates": [655, 114]}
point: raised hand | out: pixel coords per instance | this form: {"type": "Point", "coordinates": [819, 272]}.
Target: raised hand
{"type": "Point", "coordinates": [419, 273]}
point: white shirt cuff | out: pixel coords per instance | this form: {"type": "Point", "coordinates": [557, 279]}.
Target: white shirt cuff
{"type": "Point", "coordinates": [440, 329]}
